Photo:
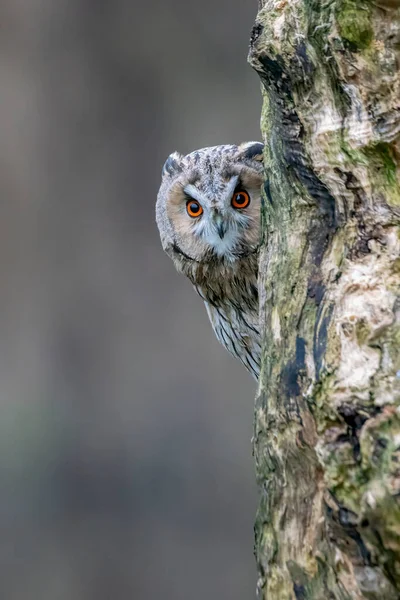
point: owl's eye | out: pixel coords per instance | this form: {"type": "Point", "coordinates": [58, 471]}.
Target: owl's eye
{"type": "Point", "coordinates": [240, 199]}
{"type": "Point", "coordinates": [194, 208]}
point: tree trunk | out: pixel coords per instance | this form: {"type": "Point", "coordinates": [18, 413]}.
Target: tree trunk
{"type": "Point", "coordinates": [327, 423]}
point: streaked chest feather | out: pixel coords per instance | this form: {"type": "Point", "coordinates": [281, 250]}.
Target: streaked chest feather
{"type": "Point", "coordinates": [231, 300]}
{"type": "Point", "coordinates": [239, 332]}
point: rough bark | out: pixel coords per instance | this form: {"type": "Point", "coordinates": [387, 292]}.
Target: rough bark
{"type": "Point", "coordinates": [327, 423]}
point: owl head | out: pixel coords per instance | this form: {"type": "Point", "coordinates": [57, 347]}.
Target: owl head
{"type": "Point", "coordinates": [208, 206]}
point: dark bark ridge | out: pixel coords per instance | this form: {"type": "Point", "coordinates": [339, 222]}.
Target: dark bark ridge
{"type": "Point", "coordinates": [327, 421]}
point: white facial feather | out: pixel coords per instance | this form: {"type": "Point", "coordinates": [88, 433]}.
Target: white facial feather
{"type": "Point", "coordinates": [216, 214]}
{"type": "Point", "coordinates": [192, 192]}
{"type": "Point", "coordinates": [221, 246]}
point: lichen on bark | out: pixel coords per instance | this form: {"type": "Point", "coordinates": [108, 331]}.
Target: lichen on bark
{"type": "Point", "coordinates": [327, 421]}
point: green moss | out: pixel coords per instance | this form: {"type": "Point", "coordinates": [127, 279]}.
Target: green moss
{"type": "Point", "coordinates": [354, 155]}
{"type": "Point", "coordinates": [325, 416]}
{"type": "Point", "coordinates": [378, 156]}
{"type": "Point", "coordinates": [382, 168]}
{"type": "Point", "coordinates": [382, 156]}
{"type": "Point", "coordinates": [316, 586]}
{"type": "Point", "coordinates": [362, 331]}
{"type": "Point", "coordinates": [393, 345]}
{"type": "Point", "coordinates": [354, 22]}
{"type": "Point", "coordinates": [395, 266]}
{"type": "Point", "coordinates": [344, 478]}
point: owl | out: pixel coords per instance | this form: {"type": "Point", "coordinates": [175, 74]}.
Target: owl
{"type": "Point", "coordinates": [208, 215]}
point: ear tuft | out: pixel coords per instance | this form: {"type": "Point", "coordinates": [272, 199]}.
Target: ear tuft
{"type": "Point", "coordinates": [251, 151]}
{"type": "Point", "coordinates": [172, 164]}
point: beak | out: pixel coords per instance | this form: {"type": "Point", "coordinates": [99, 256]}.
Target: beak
{"type": "Point", "coordinates": [220, 225]}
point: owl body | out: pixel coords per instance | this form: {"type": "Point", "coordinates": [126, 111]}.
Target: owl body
{"type": "Point", "coordinates": [208, 214]}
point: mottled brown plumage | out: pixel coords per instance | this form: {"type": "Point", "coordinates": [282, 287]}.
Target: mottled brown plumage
{"type": "Point", "coordinates": [217, 249]}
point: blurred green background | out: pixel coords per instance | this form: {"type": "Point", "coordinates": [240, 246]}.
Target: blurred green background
{"type": "Point", "coordinates": [125, 453]}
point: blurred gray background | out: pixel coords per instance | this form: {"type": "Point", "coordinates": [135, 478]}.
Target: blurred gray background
{"type": "Point", "coordinates": [125, 453]}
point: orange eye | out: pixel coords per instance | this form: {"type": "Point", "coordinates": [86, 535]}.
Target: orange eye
{"type": "Point", "coordinates": [240, 199]}
{"type": "Point", "coordinates": [194, 208]}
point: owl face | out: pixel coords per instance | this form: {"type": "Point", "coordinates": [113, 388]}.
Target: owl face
{"type": "Point", "coordinates": [208, 207]}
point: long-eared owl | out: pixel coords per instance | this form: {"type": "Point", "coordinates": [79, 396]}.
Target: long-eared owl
{"type": "Point", "coordinates": [208, 214]}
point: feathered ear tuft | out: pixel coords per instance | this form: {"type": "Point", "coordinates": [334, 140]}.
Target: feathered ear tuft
{"type": "Point", "coordinates": [251, 151]}
{"type": "Point", "coordinates": [173, 164]}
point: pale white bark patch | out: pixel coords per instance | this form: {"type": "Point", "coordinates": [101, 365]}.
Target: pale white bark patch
{"type": "Point", "coordinates": [276, 324]}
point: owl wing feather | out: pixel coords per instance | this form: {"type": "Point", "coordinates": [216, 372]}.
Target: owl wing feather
{"type": "Point", "coordinates": [239, 334]}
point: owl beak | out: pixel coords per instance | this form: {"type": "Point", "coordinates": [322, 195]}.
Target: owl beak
{"type": "Point", "coordinates": [220, 225]}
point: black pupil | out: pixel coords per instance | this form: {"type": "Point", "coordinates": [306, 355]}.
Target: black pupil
{"type": "Point", "coordinates": [240, 198]}
{"type": "Point", "coordinates": [194, 207]}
